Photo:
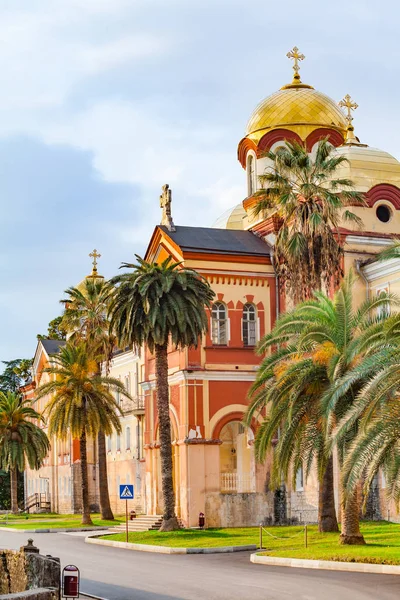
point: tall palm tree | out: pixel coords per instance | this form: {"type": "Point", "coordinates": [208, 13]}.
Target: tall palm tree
{"type": "Point", "coordinates": [348, 337]}
{"type": "Point", "coordinates": [289, 387]}
{"type": "Point", "coordinates": [377, 408]}
{"type": "Point", "coordinates": [22, 441]}
{"type": "Point", "coordinates": [85, 319]}
{"type": "Point", "coordinates": [310, 202]}
{"type": "Point", "coordinates": [81, 403]}
{"type": "Point", "coordinates": [154, 305]}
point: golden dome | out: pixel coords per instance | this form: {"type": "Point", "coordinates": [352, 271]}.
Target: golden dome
{"type": "Point", "coordinates": [293, 107]}
{"type": "Point", "coordinates": [367, 167]}
{"type": "Point", "coordinates": [231, 218]}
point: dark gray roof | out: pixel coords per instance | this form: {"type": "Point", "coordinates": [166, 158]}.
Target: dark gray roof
{"type": "Point", "coordinates": [52, 346]}
{"type": "Point", "coordinates": [226, 241]}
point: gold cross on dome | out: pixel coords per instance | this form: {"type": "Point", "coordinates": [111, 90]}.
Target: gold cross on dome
{"type": "Point", "coordinates": [95, 255]}
{"type": "Point", "coordinates": [349, 105]}
{"type": "Point", "coordinates": [294, 54]}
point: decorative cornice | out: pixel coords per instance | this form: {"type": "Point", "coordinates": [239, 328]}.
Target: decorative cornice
{"type": "Point", "coordinates": [201, 442]}
{"type": "Point", "coordinates": [377, 270]}
{"type": "Point", "coordinates": [277, 135]}
{"type": "Point", "coordinates": [204, 375]}
{"type": "Point", "coordinates": [237, 279]}
{"type": "Point", "coordinates": [124, 358]}
{"type": "Point", "coordinates": [334, 137]}
{"type": "Point", "coordinates": [383, 191]}
{"type": "Point", "coordinates": [362, 240]}
{"type": "Point", "coordinates": [245, 145]}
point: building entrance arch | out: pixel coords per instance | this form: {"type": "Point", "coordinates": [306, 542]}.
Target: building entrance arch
{"type": "Point", "coordinates": [236, 454]}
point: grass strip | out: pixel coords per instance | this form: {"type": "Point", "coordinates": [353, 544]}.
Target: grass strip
{"type": "Point", "coordinates": [383, 542]}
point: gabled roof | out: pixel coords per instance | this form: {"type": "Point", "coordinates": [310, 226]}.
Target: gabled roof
{"type": "Point", "coordinates": [207, 240]}
{"type": "Point", "coordinates": [52, 346]}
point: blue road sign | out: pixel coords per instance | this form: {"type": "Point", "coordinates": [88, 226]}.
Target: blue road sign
{"type": "Point", "coordinates": [126, 491]}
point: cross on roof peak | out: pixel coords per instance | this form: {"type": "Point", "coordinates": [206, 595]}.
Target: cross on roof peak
{"type": "Point", "coordinates": [296, 56]}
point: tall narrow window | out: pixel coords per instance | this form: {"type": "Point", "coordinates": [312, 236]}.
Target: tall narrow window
{"type": "Point", "coordinates": [118, 443]}
{"type": "Point", "coordinates": [109, 443]}
{"type": "Point", "coordinates": [128, 438]}
{"type": "Point", "coordinates": [249, 323]}
{"type": "Point", "coordinates": [300, 480]}
{"type": "Point", "coordinates": [128, 384]}
{"type": "Point", "coordinates": [251, 179]}
{"type": "Point", "coordinates": [219, 324]}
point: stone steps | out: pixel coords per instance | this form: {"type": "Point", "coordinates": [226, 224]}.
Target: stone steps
{"type": "Point", "coordinates": [143, 523]}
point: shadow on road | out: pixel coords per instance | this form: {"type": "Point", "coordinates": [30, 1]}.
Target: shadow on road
{"type": "Point", "coordinates": [115, 592]}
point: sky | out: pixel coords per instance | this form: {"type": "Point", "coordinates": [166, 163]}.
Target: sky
{"type": "Point", "coordinates": [104, 101]}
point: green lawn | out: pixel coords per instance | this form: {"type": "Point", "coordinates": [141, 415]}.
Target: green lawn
{"type": "Point", "coordinates": [383, 542]}
{"type": "Point", "coordinates": [191, 538]}
{"type": "Point", "coordinates": [52, 521]}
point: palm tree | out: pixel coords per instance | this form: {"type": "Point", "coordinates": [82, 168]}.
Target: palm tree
{"type": "Point", "coordinates": [347, 337]}
{"type": "Point", "coordinates": [392, 251]}
{"type": "Point", "coordinates": [85, 319]}
{"type": "Point", "coordinates": [377, 408]}
{"type": "Point", "coordinates": [289, 387]}
{"type": "Point", "coordinates": [22, 441]}
{"type": "Point", "coordinates": [81, 404]}
{"type": "Point", "coordinates": [154, 305]}
{"type": "Point", "coordinates": [309, 203]}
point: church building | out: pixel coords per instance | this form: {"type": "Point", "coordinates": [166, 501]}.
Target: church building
{"type": "Point", "coordinates": [215, 471]}
{"type": "Point", "coordinates": [214, 467]}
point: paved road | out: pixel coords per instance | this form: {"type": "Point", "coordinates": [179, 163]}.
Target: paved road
{"type": "Point", "coordinates": [124, 575]}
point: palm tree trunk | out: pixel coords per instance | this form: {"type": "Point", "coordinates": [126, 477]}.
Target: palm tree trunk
{"type": "Point", "coordinates": [14, 490]}
{"type": "Point", "coordinates": [86, 520]}
{"type": "Point", "coordinates": [327, 520]}
{"type": "Point", "coordinates": [105, 506]}
{"type": "Point", "coordinates": [350, 525]}
{"type": "Point", "coordinates": [170, 522]}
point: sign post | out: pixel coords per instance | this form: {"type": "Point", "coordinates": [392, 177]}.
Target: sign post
{"type": "Point", "coordinates": [126, 492]}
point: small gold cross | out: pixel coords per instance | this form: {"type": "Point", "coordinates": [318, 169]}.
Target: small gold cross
{"type": "Point", "coordinates": [95, 255]}
{"type": "Point", "coordinates": [348, 104]}
{"type": "Point", "coordinates": [296, 57]}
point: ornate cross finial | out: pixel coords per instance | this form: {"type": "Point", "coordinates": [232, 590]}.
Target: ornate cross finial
{"type": "Point", "coordinates": [95, 255]}
{"type": "Point", "coordinates": [296, 56]}
{"type": "Point", "coordinates": [165, 204]}
{"type": "Point", "coordinates": [349, 105]}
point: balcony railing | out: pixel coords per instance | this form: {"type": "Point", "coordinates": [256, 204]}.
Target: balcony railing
{"type": "Point", "coordinates": [236, 483]}
{"type": "Point", "coordinates": [138, 405]}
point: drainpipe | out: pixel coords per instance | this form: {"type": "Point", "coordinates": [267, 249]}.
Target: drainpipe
{"type": "Point", "coordinates": [271, 254]}
{"type": "Point", "coordinates": [359, 270]}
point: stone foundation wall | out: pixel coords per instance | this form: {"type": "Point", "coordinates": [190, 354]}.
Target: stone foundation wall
{"type": "Point", "coordinates": [25, 574]}
{"type": "Point", "coordinates": [238, 510]}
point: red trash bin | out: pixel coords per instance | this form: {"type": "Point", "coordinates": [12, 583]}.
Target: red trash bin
{"type": "Point", "coordinates": [70, 581]}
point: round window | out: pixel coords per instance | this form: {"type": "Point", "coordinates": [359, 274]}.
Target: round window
{"type": "Point", "coordinates": [383, 213]}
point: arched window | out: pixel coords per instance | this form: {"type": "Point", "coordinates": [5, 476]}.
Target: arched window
{"type": "Point", "coordinates": [251, 175]}
{"type": "Point", "coordinates": [249, 323]}
{"type": "Point", "coordinates": [236, 457]}
{"type": "Point", "coordinates": [219, 324]}
{"type": "Point", "coordinates": [128, 438]}
{"type": "Point", "coordinates": [118, 443]}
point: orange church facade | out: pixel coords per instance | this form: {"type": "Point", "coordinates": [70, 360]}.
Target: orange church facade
{"type": "Point", "coordinates": [213, 456]}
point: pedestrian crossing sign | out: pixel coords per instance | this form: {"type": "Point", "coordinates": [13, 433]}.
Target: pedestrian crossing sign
{"type": "Point", "coordinates": [126, 492]}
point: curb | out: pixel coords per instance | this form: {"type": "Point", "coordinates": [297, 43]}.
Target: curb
{"type": "Point", "coordinates": [91, 596]}
{"type": "Point", "coordinates": [55, 530]}
{"type": "Point", "coordinates": [328, 565]}
{"type": "Point", "coordinates": [168, 549]}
